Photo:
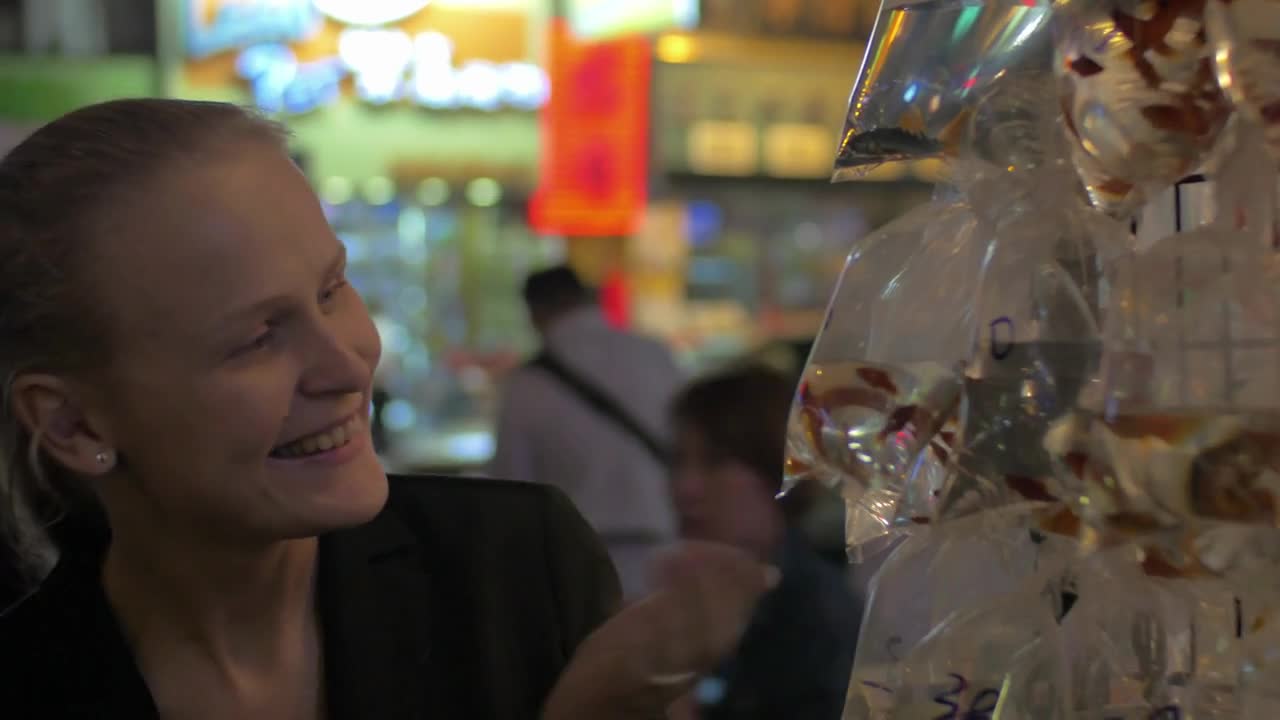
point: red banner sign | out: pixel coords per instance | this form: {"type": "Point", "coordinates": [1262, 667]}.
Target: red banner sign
{"type": "Point", "coordinates": [593, 175]}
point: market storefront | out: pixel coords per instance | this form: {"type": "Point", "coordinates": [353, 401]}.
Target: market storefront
{"type": "Point", "coordinates": [747, 111]}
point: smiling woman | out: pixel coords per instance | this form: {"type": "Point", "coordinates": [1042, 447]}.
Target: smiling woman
{"type": "Point", "coordinates": [185, 433]}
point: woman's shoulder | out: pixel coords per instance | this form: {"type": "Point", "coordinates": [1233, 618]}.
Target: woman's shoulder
{"type": "Point", "coordinates": [487, 521]}
{"type": "Point", "coordinates": [28, 630]}
{"type": "Point", "coordinates": [490, 575]}
{"type": "Point", "coordinates": [524, 532]}
{"type": "Point", "coordinates": [62, 604]}
{"type": "Point", "coordinates": [416, 489]}
{"type": "Point", "coordinates": [61, 653]}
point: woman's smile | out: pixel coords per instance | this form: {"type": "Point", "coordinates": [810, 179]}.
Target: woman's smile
{"type": "Point", "coordinates": [345, 443]}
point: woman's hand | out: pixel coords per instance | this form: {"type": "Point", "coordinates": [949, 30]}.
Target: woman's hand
{"type": "Point", "coordinates": [638, 663]}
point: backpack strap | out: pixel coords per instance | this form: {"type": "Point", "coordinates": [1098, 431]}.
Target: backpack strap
{"type": "Point", "coordinates": [601, 403]}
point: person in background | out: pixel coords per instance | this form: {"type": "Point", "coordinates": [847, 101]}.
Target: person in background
{"type": "Point", "coordinates": [796, 657]}
{"type": "Point", "coordinates": [589, 415]}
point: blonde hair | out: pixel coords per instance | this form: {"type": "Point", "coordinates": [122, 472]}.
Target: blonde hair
{"type": "Point", "coordinates": [56, 188]}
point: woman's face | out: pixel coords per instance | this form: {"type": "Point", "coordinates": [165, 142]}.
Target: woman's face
{"type": "Point", "coordinates": [238, 398]}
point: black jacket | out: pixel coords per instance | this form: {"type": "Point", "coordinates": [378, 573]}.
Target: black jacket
{"type": "Point", "coordinates": [463, 599]}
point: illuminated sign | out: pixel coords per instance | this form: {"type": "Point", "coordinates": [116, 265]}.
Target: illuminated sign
{"type": "Point", "coordinates": [593, 175]}
{"type": "Point", "coordinates": [599, 19]}
{"type": "Point", "coordinates": [388, 64]}
{"type": "Point", "coordinates": [213, 27]}
{"type": "Point", "coordinates": [283, 84]}
{"type": "Point", "coordinates": [369, 12]}
{"type": "Point", "coordinates": [356, 40]}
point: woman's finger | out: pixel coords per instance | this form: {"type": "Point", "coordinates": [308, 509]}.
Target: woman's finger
{"type": "Point", "coordinates": [713, 590]}
{"type": "Point", "coordinates": [730, 595]}
{"type": "Point", "coordinates": [696, 559]}
{"type": "Point", "coordinates": [652, 652]}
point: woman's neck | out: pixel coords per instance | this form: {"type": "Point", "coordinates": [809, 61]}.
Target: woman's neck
{"type": "Point", "coordinates": [237, 606]}
{"type": "Point", "coordinates": [217, 632]}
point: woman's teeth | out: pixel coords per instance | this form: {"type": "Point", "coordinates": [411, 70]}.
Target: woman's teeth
{"type": "Point", "coordinates": [319, 442]}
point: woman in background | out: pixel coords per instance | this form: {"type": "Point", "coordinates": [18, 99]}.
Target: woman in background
{"type": "Point", "coordinates": [796, 657]}
{"type": "Point", "coordinates": [187, 383]}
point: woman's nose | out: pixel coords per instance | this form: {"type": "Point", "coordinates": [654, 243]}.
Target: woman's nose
{"type": "Point", "coordinates": [335, 364]}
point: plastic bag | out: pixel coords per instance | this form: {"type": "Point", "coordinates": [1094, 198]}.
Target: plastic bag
{"type": "Point", "coordinates": [1005, 654]}
{"type": "Point", "coordinates": [1000, 652]}
{"type": "Point", "coordinates": [1089, 430]}
{"type": "Point", "coordinates": [929, 66]}
{"type": "Point", "coordinates": [1259, 669]}
{"type": "Point", "coordinates": [1245, 36]}
{"type": "Point", "coordinates": [1180, 433]}
{"type": "Point", "coordinates": [928, 578]}
{"type": "Point", "coordinates": [1246, 184]}
{"type": "Point", "coordinates": [882, 383]}
{"type": "Point", "coordinates": [1139, 95]}
{"type": "Point", "coordinates": [1130, 643]}
{"type": "Point", "coordinates": [1037, 341]}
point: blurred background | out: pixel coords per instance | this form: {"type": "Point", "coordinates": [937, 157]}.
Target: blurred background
{"type": "Point", "coordinates": [674, 152]}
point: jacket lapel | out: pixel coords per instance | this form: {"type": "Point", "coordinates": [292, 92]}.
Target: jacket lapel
{"type": "Point", "coordinates": [374, 595]}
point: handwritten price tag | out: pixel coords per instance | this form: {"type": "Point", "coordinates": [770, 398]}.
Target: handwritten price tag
{"type": "Point", "coordinates": [980, 707]}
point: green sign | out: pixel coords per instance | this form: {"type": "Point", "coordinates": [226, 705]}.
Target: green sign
{"type": "Point", "coordinates": [38, 89]}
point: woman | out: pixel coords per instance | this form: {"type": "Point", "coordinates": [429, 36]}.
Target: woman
{"type": "Point", "coordinates": [796, 657]}
{"type": "Point", "coordinates": [188, 378]}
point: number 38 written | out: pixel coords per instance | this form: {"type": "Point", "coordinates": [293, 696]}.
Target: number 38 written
{"type": "Point", "coordinates": [980, 707]}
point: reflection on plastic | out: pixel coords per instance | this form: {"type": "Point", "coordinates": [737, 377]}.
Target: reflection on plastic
{"type": "Point", "coordinates": [1245, 37]}
{"type": "Point", "coordinates": [928, 67]}
{"type": "Point", "coordinates": [1139, 95]}
{"type": "Point", "coordinates": [876, 409]}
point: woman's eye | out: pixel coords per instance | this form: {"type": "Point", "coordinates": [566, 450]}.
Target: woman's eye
{"type": "Point", "coordinates": [258, 343]}
{"type": "Point", "coordinates": [333, 290]}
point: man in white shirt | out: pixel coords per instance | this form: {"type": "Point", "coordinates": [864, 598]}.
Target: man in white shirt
{"type": "Point", "coordinates": [589, 416]}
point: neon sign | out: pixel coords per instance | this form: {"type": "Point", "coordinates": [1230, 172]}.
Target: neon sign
{"type": "Point", "coordinates": [239, 23]}
{"type": "Point", "coordinates": [369, 12]}
{"type": "Point", "coordinates": [593, 174]}
{"type": "Point", "coordinates": [282, 84]}
{"type": "Point", "coordinates": [385, 64]}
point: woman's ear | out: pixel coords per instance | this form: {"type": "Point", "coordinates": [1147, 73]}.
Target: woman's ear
{"type": "Point", "coordinates": [51, 412]}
